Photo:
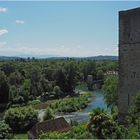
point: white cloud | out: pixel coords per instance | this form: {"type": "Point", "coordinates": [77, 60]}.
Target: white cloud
{"type": "Point", "coordinates": [3, 9]}
{"type": "Point", "coordinates": [57, 50]}
{"type": "Point", "coordinates": [20, 22]}
{"type": "Point", "coordinates": [3, 31]}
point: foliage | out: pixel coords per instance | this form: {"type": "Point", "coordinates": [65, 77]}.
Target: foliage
{"type": "Point", "coordinates": [77, 132]}
{"type": "Point", "coordinates": [22, 80]}
{"type": "Point", "coordinates": [110, 89]}
{"type": "Point", "coordinates": [57, 91]}
{"type": "Point", "coordinates": [80, 132]}
{"type": "Point", "coordinates": [21, 119]}
{"type": "Point", "coordinates": [70, 104]}
{"type": "Point", "coordinates": [5, 131]}
{"type": "Point", "coordinates": [4, 88]}
{"type": "Point", "coordinates": [134, 129]}
{"type": "Point", "coordinates": [103, 126]}
{"type": "Point", "coordinates": [48, 114]}
{"type": "Point", "coordinates": [53, 135]}
{"type": "Point", "coordinates": [21, 136]}
{"type": "Point", "coordinates": [133, 118]}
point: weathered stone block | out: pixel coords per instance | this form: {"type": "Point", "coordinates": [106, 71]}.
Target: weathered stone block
{"type": "Point", "coordinates": [129, 22]}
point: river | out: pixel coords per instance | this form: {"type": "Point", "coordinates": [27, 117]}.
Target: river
{"type": "Point", "coordinates": [97, 100]}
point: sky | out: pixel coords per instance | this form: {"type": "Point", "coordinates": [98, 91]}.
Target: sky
{"type": "Point", "coordinates": [53, 28]}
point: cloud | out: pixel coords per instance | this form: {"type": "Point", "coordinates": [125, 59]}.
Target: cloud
{"type": "Point", "coordinates": [20, 22]}
{"type": "Point", "coordinates": [3, 31]}
{"type": "Point", "coordinates": [58, 51]}
{"type": "Point", "coordinates": [3, 10]}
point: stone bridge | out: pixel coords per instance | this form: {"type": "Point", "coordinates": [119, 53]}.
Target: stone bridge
{"type": "Point", "coordinates": [93, 83]}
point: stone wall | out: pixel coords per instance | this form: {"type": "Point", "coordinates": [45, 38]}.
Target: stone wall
{"type": "Point", "coordinates": [129, 58]}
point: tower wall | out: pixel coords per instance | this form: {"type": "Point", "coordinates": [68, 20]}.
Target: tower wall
{"type": "Point", "coordinates": [129, 58]}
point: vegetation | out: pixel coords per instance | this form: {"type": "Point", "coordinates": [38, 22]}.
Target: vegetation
{"type": "Point", "coordinates": [103, 126]}
{"type": "Point", "coordinates": [5, 131]}
{"type": "Point", "coordinates": [25, 80]}
{"type": "Point", "coordinates": [48, 114]}
{"type": "Point", "coordinates": [80, 132]}
{"type": "Point", "coordinates": [110, 89]}
{"type": "Point", "coordinates": [21, 119]}
{"type": "Point", "coordinates": [133, 118]}
{"type": "Point", "coordinates": [21, 136]}
{"type": "Point", "coordinates": [77, 132]}
{"type": "Point", "coordinates": [54, 135]}
{"type": "Point", "coordinates": [70, 104]}
{"type": "Point", "coordinates": [51, 84]}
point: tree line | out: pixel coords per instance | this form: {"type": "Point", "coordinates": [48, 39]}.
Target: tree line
{"type": "Point", "coordinates": [23, 81]}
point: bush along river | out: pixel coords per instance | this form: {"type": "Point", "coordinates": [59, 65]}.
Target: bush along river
{"type": "Point", "coordinates": [97, 100]}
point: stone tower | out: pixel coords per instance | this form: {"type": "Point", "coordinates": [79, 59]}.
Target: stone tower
{"type": "Point", "coordinates": [129, 58]}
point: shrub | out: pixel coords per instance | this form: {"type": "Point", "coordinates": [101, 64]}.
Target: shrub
{"type": "Point", "coordinates": [110, 89]}
{"type": "Point", "coordinates": [70, 104]}
{"type": "Point", "coordinates": [80, 132]}
{"type": "Point", "coordinates": [54, 135]}
{"type": "Point", "coordinates": [48, 114]}
{"type": "Point", "coordinates": [77, 132]}
{"type": "Point", "coordinates": [102, 126]}
{"type": "Point", "coordinates": [5, 131]}
{"type": "Point", "coordinates": [57, 91]}
{"type": "Point", "coordinates": [21, 119]}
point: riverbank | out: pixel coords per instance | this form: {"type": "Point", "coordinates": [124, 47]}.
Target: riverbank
{"type": "Point", "coordinates": [96, 100]}
{"type": "Point", "coordinates": [81, 116]}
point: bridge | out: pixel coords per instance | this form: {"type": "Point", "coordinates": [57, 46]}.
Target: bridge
{"type": "Point", "coordinates": [93, 83]}
{"type": "Point", "coordinates": [97, 81]}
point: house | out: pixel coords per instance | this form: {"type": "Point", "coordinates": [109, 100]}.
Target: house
{"type": "Point", "coordinates": [113, 73]}
{"type": "Point", "coordinates": [58, 125]}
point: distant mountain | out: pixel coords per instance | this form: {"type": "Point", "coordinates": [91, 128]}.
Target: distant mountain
{"type": "Point", "coordinates": [98, 58]}
{"type": "Point", "coordinates": [9, 58]}
{"type": "Point", "coordinates": [102, 57]}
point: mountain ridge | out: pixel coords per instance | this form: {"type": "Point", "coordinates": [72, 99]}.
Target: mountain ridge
{"type": "Point", "coordinates": [99, 57]}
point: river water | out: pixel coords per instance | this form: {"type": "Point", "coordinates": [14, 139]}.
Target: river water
{"type": "Point", "coordinates": [97, 100]}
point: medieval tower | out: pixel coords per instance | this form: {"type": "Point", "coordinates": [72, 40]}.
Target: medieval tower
{"type": "Point", "coordinates": [129, 58]}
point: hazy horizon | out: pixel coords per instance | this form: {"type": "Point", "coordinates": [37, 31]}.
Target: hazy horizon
{"type": "Point", "coordinates": [65, 29]}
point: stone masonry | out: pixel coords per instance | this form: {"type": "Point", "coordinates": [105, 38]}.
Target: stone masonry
{"type": "Point", "coordinates": [129, 58]}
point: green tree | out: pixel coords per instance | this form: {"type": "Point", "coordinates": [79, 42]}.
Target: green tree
{"type": "Point", "coordinates": [4, 88]}
{"type": "Point", "coordinates": [5, 131]}
{"type": "Point", "coordinates": [13, 93]}
{"type": "Point", "coordinates": [100, 74]}
{"type": "Point", "coordinates": [133, 118]}
{"type": "Point", "coordinates": [80, 132]}
{"type": "Point", "coordinates": [110, 89]}
{"type": "Point", "coordinates": [21, 119]}
{"type": "Point", "coordinates": [57, 91]}
{"type": "Point", "coordinates": [8, 68]}
{"type": "Point", "coordinates": [71, 80]}
{"type": "Point", "coordinates": [25, 90]}
{"type": "Point", "coordinates": [88, 68]}
{"type": "Point", "coordinates": [15, 78]}
{"type": "Point", "coordinates": [103, 126]}
{"type": "Point", "coordinates": [48, 114]}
